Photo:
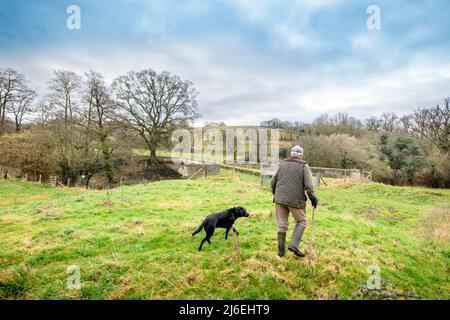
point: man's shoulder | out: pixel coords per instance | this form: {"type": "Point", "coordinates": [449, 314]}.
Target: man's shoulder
{"type": "Point", "coordinates": [293, 160]}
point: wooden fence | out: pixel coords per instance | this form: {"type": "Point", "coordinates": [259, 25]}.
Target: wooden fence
{"type": "Point", "coordinates": [267, 171]}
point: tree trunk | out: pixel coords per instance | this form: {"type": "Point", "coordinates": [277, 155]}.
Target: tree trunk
{"type": "Point", "coordinates": [2, 117]}
{"type": "Point", "coordinates": [153, 161]}
{"type": "Point", "coordinates": [88, 178]}
{"type": "Point", "coordinates": [17, 126]}
{"type": "Point", "coordinates": [108, 165]}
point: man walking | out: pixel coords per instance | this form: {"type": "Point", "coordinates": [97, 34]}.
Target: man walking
{"type": "Point", "coordinates": [289, 183]}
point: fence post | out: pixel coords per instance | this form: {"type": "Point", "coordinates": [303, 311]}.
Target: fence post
{"type": "Point", "coordinates": [53, 180]}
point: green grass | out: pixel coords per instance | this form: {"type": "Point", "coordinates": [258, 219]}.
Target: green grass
{"type": "Point", "coordinates": [135, 242]}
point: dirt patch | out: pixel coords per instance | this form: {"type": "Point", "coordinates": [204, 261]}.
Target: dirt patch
{"type": "Point", "coordinates": [372, 213]}
{"type": "Point", "coordinates": [124, 287]}
{"type": "Point", "coordinates": [46, 213]}
{"type": "Point", "coordinates": [107, 203]}
{"type": "Point", "coordinates": [369, 212]}
{"type": "Point", "coordinates": [51, 216]}
{"type": "Point", "coordinates": [160, 173]}
{"type": "Point", "coordinates": [133, 223]}
{"type": "Point", "coordinates": [192, 277]}
{"type": "Point", "coordinates": [43, 210]}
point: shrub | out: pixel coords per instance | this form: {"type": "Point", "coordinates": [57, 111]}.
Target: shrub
{"type": "Point", "coordinates": [436, 171]}
{"type": "Point", "coordinates": [337, 151]}
{"type": "Point", "coordinates": [33, 152]}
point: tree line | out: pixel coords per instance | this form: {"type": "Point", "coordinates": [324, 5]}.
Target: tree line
{"type": "Point", "coordinates": [82, 126]}
{"type": "Point", "coordinates": [409, 149]}
{"type": "Point", "coordinates": [430, 124]}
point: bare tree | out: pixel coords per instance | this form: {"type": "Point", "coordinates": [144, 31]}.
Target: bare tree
{"type": "Point", "coordinates": [10, 82]}
{"type": "Point", "coordinates": [43, 112]}
{"type": "Point", "coordinates": [64, 89]}
{"type": "Point", "coordinates": [95, 115]}
{"type": "Point", "coordinates": [389, 121]}
{"type": "Point", "coordinates": [272, 123]}
{"type": "Point", "coordinates": [373, 123]}
{"type": "Point", "coordinates": [212, 124]}
{"type": "Point", "coordinates": [21, 104]}
{"type": "Point", "coordinates": [154, 104]}
{"type": "Point", "coordinates": [432, 124]}
{"type": "Point", "coordinates": [341, 120]}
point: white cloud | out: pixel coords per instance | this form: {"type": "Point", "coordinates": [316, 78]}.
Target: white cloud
{"type": "Point", "coordinates": [365, 41]}
{"type": "Point", "coordinates": [287, 22]}
{"type": "Point", "coordinates": [241, 86]}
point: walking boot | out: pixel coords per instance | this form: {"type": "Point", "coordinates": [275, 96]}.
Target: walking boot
{"type": "Point", "coordinates": [297, 235]}
{"type": "Point", "coordinates": [281, 243]}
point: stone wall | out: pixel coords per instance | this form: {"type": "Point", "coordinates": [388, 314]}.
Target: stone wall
{"type": "Point", "coordinates": [188, 168]}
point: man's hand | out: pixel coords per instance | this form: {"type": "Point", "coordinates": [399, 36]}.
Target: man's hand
{"type": "Point", "coordinates": [314, 201]}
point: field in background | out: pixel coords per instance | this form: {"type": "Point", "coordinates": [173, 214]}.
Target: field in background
{"type": "Point", "coordinates": [163, 152]}
{"type": "Point", "coordinates": [134, 242]}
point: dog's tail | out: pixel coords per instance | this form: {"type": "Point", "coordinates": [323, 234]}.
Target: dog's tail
{"type": "Point", "coordinates": [198, 229]}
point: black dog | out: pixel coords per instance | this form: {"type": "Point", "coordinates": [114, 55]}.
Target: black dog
{"type": "Point", "coordinates": [224, 219]}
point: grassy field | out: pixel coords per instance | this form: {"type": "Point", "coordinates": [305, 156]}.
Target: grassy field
{"type": "Point", "coordinates": [134, 242]}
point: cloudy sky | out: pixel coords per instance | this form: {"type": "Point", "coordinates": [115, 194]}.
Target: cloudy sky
{"type": "Point", "coordinates": [250, 60]}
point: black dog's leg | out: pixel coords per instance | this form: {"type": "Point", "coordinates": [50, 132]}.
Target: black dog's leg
{"type": "Point", "coordinates": [235, 231]}
{"type": "Point", "coordinates": [209, 233]}
{"type": "Point", "coordinates": [226, 233]}
{"type": "Point", "coordinates": [201, 244]}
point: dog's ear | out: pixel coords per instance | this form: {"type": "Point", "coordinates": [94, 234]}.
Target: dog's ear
{"type": "Point", "coordinates": [233, 211]}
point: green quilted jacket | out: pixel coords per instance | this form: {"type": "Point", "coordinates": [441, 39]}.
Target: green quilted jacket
{"type": "Point", "coordinates": [290, 182]}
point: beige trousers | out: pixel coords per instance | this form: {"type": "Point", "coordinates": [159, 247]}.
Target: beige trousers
{"type": "Point", "coordinates": [282, 215]}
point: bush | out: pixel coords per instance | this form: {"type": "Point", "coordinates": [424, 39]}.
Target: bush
{"type": "Point", "coordinates": [33, 152]}
{"type": "Point", "coordinates": [337, 151]}
{"type": "Point", "coordinates": [436, 171]}
{"type": "Point", "coordinates": [381, 172]}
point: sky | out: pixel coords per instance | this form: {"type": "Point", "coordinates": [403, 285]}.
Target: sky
{"type": "Point", "coordinates": [250, 60]}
